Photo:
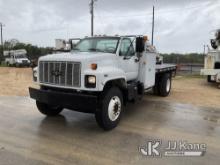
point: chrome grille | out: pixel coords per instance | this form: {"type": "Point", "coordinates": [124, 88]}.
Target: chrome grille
{"type": "Point", "coordinates": [60, 73]}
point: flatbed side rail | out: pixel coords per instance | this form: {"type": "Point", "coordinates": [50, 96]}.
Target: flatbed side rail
{"type": "Point", "coordinates": [166, 69]}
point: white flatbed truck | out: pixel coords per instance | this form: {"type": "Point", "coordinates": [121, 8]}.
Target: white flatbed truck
{"type": "Point", "coordinates": [100, 75]}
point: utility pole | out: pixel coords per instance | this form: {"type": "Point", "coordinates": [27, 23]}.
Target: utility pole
{"type": "Point", "coordinates": [152, 39]}
{"type": "Point", "coordinates": [204, 51]}
{"type": "Point", "coordinates": [92, 16]}
{"type": "Point", "coordinates": [2, 44]}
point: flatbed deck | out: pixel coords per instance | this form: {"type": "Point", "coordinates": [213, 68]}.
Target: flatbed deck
{"type": "Point", "coordinates": [160, 68]}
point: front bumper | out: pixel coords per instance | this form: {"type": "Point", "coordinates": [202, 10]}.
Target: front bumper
{"type": "Point", "coordinates": [74, 101]}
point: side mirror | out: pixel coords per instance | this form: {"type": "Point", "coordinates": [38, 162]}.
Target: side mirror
{"type": "Point", "coordinates": [140, 44]}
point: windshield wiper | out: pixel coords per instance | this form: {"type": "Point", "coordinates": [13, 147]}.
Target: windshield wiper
{"type": "Point", "coordinates": [95, 50]}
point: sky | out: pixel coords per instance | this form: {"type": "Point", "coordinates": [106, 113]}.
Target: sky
{"type": "Point", "coordinates": [181, 26]}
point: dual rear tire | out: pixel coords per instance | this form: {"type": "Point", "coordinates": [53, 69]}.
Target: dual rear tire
{"type": "Point", "coordinates": [163, 85]}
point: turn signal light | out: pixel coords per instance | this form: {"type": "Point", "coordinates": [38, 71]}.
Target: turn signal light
{"type": "Point", "coordinates": [94, 66]}
{"type": "Point", "coordinates": [145, 38]}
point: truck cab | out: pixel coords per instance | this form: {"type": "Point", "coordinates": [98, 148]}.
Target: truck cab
{"type": "Point", "coordinates": [100, 75]}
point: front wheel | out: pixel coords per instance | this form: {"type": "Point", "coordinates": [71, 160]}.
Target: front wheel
{"type": "Point", "coordinates": [109, 114]}
{"type": "Point", "coordinates": [48, 110]}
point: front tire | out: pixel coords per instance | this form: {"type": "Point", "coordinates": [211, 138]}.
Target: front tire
{"type": "Point", "coordinates": [109, 114]}
{"type": "Point", "coordinates": [48, 110]}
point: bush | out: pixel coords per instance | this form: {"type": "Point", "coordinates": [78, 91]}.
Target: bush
{"type": "Point", "coordinates": [183, 58]}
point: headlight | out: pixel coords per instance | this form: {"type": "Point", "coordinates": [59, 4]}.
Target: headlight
{"type": "Point", "coordinates": [35, 74]}
{"type": "Point", "coordinates": [90, 81]}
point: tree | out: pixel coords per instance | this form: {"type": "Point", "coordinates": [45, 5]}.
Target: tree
{"type": "Point", "coordinates": [183, 58]}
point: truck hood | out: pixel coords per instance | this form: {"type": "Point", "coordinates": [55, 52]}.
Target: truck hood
{"type": "Point", "coordinates": [79, 57]}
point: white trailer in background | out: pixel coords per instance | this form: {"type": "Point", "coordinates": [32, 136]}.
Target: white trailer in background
{"type": "Point", "coordinates": [212, 61]}
{"type": "Point", "coordinates": [16, 58]}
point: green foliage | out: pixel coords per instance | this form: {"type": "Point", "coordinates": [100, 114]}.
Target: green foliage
{"type": "Point", "coordinates": [2, 64]}
{"type": "Point", "coordinates": [192, 58]}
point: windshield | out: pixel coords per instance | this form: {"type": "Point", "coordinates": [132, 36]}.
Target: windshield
{"type": "Point", "coordinates": [106, 45]}
{"type": "Point", "coordinates": [20, 56]}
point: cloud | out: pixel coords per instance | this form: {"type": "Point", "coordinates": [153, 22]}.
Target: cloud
{"type": "Point", "coordinates": [180, 26]}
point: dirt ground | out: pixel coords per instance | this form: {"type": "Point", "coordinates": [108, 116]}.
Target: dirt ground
{"type": "Point", "coordinates": [15, 81]}
{"type": "Point", "coordinates": [193, 90]}
{"type": "Point", "coordinates": [188, 90]}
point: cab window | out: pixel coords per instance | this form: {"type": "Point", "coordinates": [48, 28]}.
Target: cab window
{"type": "Point", "coordinates": [126, 48]}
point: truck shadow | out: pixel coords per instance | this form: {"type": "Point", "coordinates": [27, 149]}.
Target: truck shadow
{"type": "Point", "coordinates": [141, 113]}
{"type": "Point", "coordinates": [69, 121]}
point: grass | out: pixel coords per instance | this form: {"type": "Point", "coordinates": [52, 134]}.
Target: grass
{"type": "Point", "coordinates": [3, 65]}
{"type": "Point", "coordinates": [189, 76]}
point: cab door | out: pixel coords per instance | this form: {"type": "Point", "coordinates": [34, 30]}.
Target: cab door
{"type": "Point", "coordinates": [128, 60]}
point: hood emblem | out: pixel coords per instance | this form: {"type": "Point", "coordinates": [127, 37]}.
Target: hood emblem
{"type": "Point", "coordinates": [56, 73]}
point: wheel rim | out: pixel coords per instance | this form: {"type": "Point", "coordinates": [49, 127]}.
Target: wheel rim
{"type": "Point", "coordinates": [114, 108]}
{"type": "Point", "coordinates": [168, 85]}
